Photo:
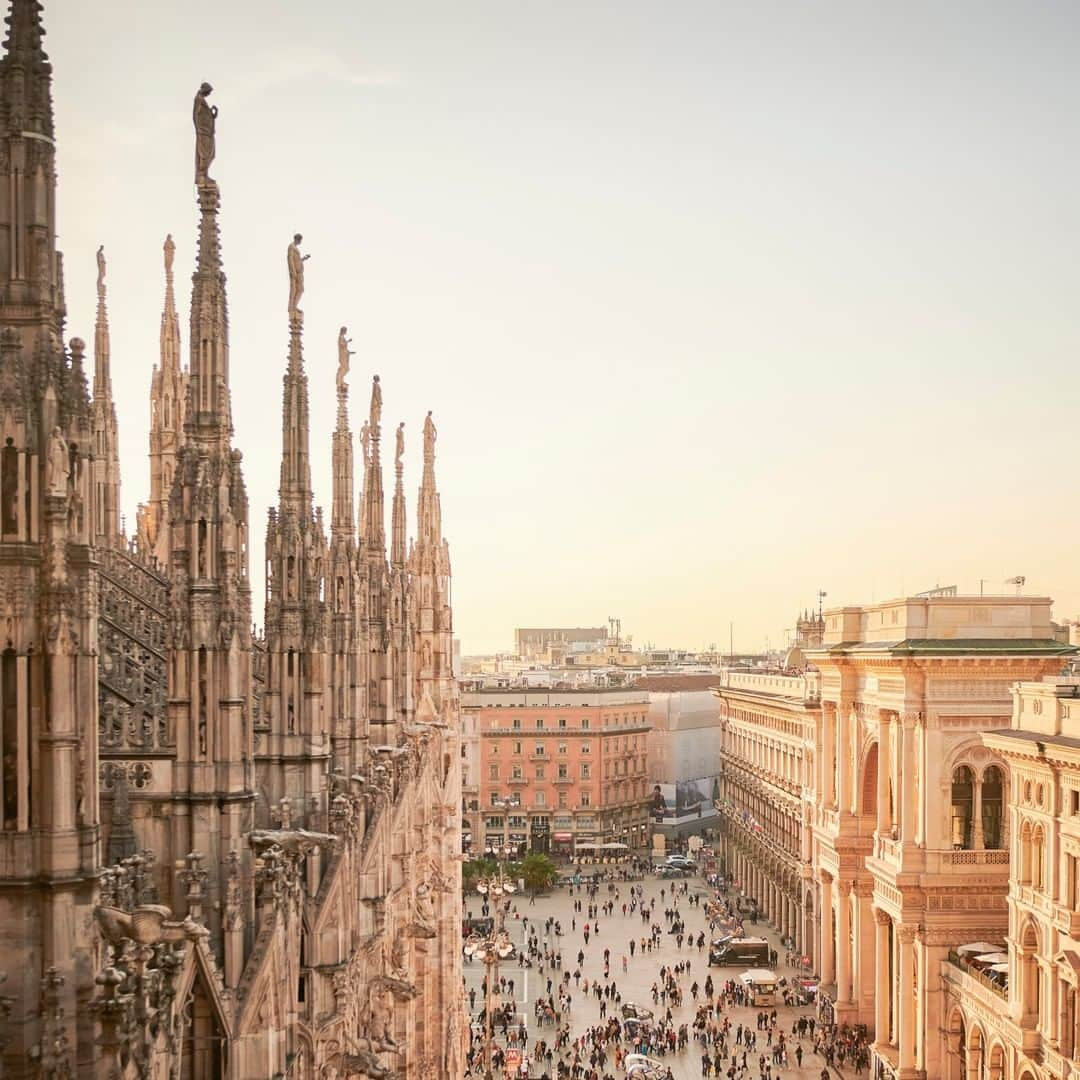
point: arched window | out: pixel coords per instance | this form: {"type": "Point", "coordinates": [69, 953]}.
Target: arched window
{"type": "Point", "coordinates": [1025, 853]}
{"type": "Point", "coordinates": [870, 780]}
{"type": "Point", "coordinates": [963, 787]}
{"type": "Point", "coordinates": [993, 793]}
{"type": "Point", "coordinates": [1029, 974]}
{"type": "Point", "coordinates": [1038, 858]}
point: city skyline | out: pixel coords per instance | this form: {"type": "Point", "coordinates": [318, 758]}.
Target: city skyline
{"type": "Point", "coordinates": [705, 306]}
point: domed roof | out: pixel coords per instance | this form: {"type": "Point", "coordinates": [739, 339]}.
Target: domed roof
{"type": "Point", "coordinates": [795, 659]}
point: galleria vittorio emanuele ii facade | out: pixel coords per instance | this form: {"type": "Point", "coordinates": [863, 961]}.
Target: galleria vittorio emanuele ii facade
{"type": "Point", "coordinates": [222, 854]}
{"type": "Point", "coordinates": [906, 808]}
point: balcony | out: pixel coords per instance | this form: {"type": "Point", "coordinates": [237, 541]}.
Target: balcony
{"type": "Point", "coordinates": [563, 780]}
{"type": "Point", "coordinates": [1068, 922]}
{"type": "Point", "coordinates": [973, 982]}
{"type": "Point", "coordinates": [991, 857]}
{"type": "Point", "coordinates": [518, 781]}
{"type": "Point", "coordinates": [539, 757]}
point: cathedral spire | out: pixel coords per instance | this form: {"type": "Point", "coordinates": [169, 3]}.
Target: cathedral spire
{"type": "Point", "coordinates": [374, 529]}
{"type": "Point", "coordinates": [294, 489]}
{"type": "Point", "coordinates": [169, 339]}
{"type": "Point", "coordinates": [168, 396]}
{"type": "Point", "coordinates": [397, 535]}
{"type": "Point", "coordinates": [106, 445]}
{"type": "Point", "coordinates": [209, 415]}
{"type": "Point", "coordinates": [341, 513]}
{"type": "Point", "coordinates": [30, 297]}
{"type": "Point", "coordinates": [26, 73]}
{"type": "Point", "coordinates": [429, 511]}
{"type": "Point", "coordinates": [102, 377]}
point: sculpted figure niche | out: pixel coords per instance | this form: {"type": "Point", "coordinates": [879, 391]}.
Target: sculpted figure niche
{"type": "Point", "coordinates": [204, 116]}
{"type": "Point", "coordinates": [57, 464]}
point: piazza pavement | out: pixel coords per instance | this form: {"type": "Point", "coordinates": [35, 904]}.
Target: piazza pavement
{"type": "Point", "coordinates": [642, 971]}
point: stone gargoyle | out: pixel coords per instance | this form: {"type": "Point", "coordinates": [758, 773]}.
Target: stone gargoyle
{"type": "Point", "coordinates": [365, 1063]}
{"type": "Point", "coordinates": [148, 924]}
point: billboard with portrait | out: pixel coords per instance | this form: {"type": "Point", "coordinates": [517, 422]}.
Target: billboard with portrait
{"type": "Point", "coordinates": [687, 800]}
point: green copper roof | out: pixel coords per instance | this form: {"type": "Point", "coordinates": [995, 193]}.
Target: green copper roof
{"type": "Point", "coordinates": [961, 646]}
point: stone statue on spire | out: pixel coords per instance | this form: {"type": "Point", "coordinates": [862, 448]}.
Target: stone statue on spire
{"type": "Point", "coordinates": [170, 251]}
{"type": "Point", "coordinates": [296, 276]}
{"type": "Point", "coordinates": [343, 354]}
{"type": "Point", "coordinates": [204, 116]}
{"type": "Point", "coordinates": [430, 435]}
{"type": "Point", "coordinates": [365, 441]}
{"type": "Point", "coordinates": [101, 270]}
{"type": "Point", "coordinates": [399, 450]}
{"type": "Point", "coordinates": [376, 405]}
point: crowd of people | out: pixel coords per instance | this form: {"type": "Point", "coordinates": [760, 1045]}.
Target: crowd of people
{"type": "Point", "coordinates": [689, 1014]}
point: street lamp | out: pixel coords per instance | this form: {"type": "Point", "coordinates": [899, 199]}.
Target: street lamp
{"type": "Point", "coordinates": [490, 950]}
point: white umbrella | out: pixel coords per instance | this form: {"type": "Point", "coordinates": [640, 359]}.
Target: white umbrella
{"type": "Point", "coordinates": [978, 947]}
{"type": "Point", "coordinates": [993, 958]}
{"type": "Point", "coordinates": [614, 847]}
{"type": "Point", "coordinates": [1004, 968]}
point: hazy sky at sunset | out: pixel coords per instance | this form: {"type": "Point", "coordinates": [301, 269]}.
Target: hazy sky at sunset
{"type": "Point", "coordinates": [715, 303]}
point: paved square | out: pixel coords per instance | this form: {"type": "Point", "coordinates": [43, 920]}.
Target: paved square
{"type": "Point", "coordinates": [635, 984]}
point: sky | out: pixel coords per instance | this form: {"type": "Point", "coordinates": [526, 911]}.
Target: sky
{"type": "Point", "coordinates": [716, 304]}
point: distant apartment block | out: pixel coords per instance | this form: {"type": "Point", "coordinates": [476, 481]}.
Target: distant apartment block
{"type": "Point", "coordinates": [550, 769]}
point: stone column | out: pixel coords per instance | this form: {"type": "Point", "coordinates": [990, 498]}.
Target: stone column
{"type": "Point", "coordinates": [827, 942]}
{"type": "Point", "coordinates": [884, 817]}
{"type": "Point", "coordinates": [826, 768]}
{"type": "Point", "coordinates": [843, 943]}
{"type": "Point", "coordinates": [977, 840]}
{"type": "Point", "coordinates": [882, 989]}
{"type": "Point", "coordinates": [906, 795]}
{"type": "Point", "coordinates": [906, 1034]}
{"type": "Point", "coordinates": [843, 740]}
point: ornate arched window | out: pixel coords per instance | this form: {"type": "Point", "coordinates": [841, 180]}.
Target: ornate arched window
{"type": "Point", "coordinates": [993, 802]}
{"type": "Point", "coordinates": [1038, 857]}
{"type": "Point", "coordinates": [963, 794]}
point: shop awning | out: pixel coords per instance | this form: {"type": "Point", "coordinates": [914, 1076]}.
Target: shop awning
{"type": "Point", "coordinates": [563, 836]}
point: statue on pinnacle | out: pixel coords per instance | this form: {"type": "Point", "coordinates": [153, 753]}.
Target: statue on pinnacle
{"type": "Point", "coordinates": [296, 277]}
{"type": "Point", "coordinates": [343, 354]}
{"type": "Point", "coordinates": [205, 117]}
{"type": "Point", "coordinates": [430, 435]}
